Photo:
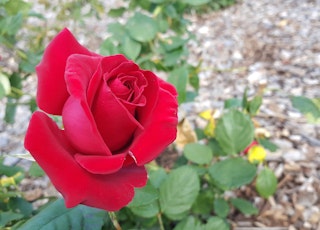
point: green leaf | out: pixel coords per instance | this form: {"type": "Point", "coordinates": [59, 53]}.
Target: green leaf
{"type": "Point", "coordinates": [190, 223]}
{"type": "Point", "coordinates": [17, 6]}
{"type": "Point", "coordinates": [216, 148]}
{"type": "Point", "coordinates": [142, 28]}
{"type": "Point", "coordinates": [179, 77]}
{"type": "Point", "coordinates": [156, 177]}
{"type": "Point", "coordinates": [117, 30]}
{"type": "Point", "coordinates": [144, 196]}
{"type": "Point", "coordinates": [232, 173]}
{"type": "Point", "coordinates": [148, 210]}
{"type": "Point", "coordinates": [232, 103]}
{"type": "Point", "coordinates": [266, 183]}
{"type": "Point", "coordinates": [7, 217]}
{"type": "Point", "coordinates": [108, 47]}
{"type": "Point", "coordinates": [157, 1]}
{"type": "Point", "coordinates": [203, 203]}
{"type": "Point", "coordinates": [145, 202]}
{"type": "Point", "coordinates": [195, 2]}
{"type": "Point", "coordinates": [57, 216]}
{"type": "Point", "coordinates": [306, 106]}
{"type": "Point", "coordinates": [198, 153]}
{"type": "Point", "coordinates": [216, 223]}
{"type": "Point", "coordinates": [221, 207]}
{"type": "Point", "coordinates": [5, 87]}
{"type": "Point", "coordinates": [244, 206]}
{"type": "Point", "coordinates": [234, 132]}
{"type": "Point", "coordinates": [11, 24]}
{"type": "Point", "coordinates": [254, 105]}
{"type": "Point", "coordinates": [178, 192]}
{"type": "Point", "coordinates": [10, 112]}
{"type": "Point", "coordinates": [131, 48]}
{"type": "Point", "coordinates": [268, 145]}
{"type": "Point", "coordinates": [9, 170]}
{"type": "Point", "coordinates": [173, 43]}
{"type": "Point", "coordinates": [116, 12]}
{"type": "Point", "coordinates": [171, 58]}
{"type": "Point", "coordinates": [21, 206]}
{"type": "Point", "coordinates": [35, 170]}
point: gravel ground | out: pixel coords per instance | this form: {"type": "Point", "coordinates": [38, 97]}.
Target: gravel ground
{"type": "Point", "coordinates": [269, 44]}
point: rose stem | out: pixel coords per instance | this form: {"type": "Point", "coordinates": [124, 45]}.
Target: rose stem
{"type": "Point", "coordinates": [160, 221]}
{"type": "Point", "coordinates": [114, 220]}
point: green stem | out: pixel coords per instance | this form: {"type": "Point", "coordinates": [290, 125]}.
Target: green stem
{"type": "Point", "coordinates": [114, 220]}
{"type": "Point", "coordinates": [160, 221]}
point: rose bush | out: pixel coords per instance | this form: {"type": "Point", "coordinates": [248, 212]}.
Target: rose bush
{"type": "Point", "coordinates": [116, 118]}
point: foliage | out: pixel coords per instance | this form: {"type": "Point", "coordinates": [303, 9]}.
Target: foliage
{"type": "Point", "coordinates": [309, 107]}
{"type": "Point", "coordinates": [192, 194]}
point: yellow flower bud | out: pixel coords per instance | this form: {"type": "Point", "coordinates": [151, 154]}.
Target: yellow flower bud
{"type": "Point", "coordinates": [257, 154]}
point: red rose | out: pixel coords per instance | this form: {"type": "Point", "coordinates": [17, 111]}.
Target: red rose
{"type": "Point", "coordinates": [116, 118]}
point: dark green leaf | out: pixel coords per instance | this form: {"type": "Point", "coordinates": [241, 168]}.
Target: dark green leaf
{"type": "Point", "coordinates": [171, 58]}
{"type": "Point", "coordinates": [173, 43]}
{"type": "Point", "coordinates": [145, 195]}
{"type": "Point", "coordinates": [195, 2]}
{"type": "Point", "coordinates": [268, 145]}
{"type": "Point", "coordinates": [232, 103]}
{"type": "Point", "coordinates": [203, 203]}
{"type": "Point", "coordinates": [232, 173]}
{"type": "Point", "coordinates": [178, 192]}
{"type": "Point", "coordinates": [117, 12]}
{"type": "Point", "coordinates": [57, 216]}
{"type": "Point", "coordinates": [142, 28]}
{"type": "Point", "coordinates": [9, 170]}
{"type": "Point", "coordinates": [221, 207]}
{"type": "Point", "coordinates": [156, 177]}
{"type": "Point", "coordinates": [198, 153]}
{"type": "Point", "coordinates": [6, 217]}
{"type": "Point", "coordinates": [306, 106]}
{"type": "Point", "coordinates": [217, 223]}
{"type": "Point", "coordinates": [21, 206]}
{"type": "Point", "coordinates": [266, 183]}
{"type": "Point", "coordinates": [108, 48]}
{"type": "Point", "coordinates": [131, 48]}
{"type": "Point", "coordinates": [35, 170]}
{"type": "Point", "coordinates": [190, 223]}
{"type": "Point", "coordinates": [179, 78]}
{"type": "Point", "coordinates": [234, 132]}
{"type": "Point", "coordinates": [148, 210]}
{"type": "Point", "coordinates": [254, 105]}
{"type": "Point", "coordinates": [244, 206]}
{"type": "Point", "coordinates": [118, 30]}
{"type": "Point", "coordinates": [10, 112]}
{"type": "Point", "coordinates": [215, 147]}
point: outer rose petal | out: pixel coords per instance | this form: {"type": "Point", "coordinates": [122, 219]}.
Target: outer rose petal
{"type": "Point", "coordinates": [48, 145]}
{"type": "Point", "coordinates": [159, 131]}
{"type": "Point", "coordinates": [81, 129]}
{"type": "Point", "coordinates": [52, 92]}
{"type": "Point", "coordinates": [101, 164]}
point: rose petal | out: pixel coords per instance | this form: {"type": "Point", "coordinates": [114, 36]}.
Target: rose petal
{"type": "Point", "coordinates": [80, 70]}
{"type": "Point", "coordinates": [48, 145]}
{"type": "Point", "coordinates": [81, 129]}
{"type": "Point", "coordinates": [159, 130]}
{"type": "Point", "coordinates": [52, 92]}
{"type": "Point", "coordinates": [115, 123]}
{"type": "Point", "coordinates": [113, 191]}
{"type": "Point", "coordinates": [101, 164]}
{"type": "Point", "coordinates": [125, 66]}
{"type": "Point", "coordinates": [151, 93]}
